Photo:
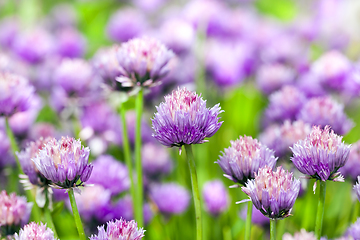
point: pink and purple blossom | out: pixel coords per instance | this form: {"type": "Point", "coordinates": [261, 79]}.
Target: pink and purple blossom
{"type": "Point", "coordinates": [156, 160]}
{"type": "Point", "coordinates": [34, 231]}
{"type": "Point", "coordinates": [216, 197]}
{"type": "Point", "coordinates": [352, 167]}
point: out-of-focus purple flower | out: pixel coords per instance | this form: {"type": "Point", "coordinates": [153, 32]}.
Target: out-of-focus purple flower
{"type": "Point", "coordinates": [155, 160]}
{"type": "Point", "coordinates": [352, 83]}
{"type": "Point", "coordinates": [357, 188]}
{"type": "Point", "coordinates": [332, 69]}
{"type": "Point", "coordinates": [352, 167]}
{"type": "Point", "coordinates": [243, 159]}
{"type": "Point", "coordinates": [111, 174]}
{"type": "Point", "coordinates": [216, 197]}
{"type": "Point", "coordinates": [184, 119]}
{"type": "Point", "coordinates": [36, 231]}
{"type": "Point", "coordinates": [256, 216]}
{"type": "Point", "coordinates": [302, 235]}
{"type": "Point", "coordinates": [321, 154]}
{"type": "Point", "coordinates": [119, 229]}
{"type": "Point", "coordinates": [5, 155]}
{"type": "Point", "coordinates": [9, 29]}
{"type": "Point", "coordinates": [34, 46]}
{"type": "Point", "coordinates": [284, 104]}
{"type": "Point", "coordinates": [126, 24]}
{"type": "Point", "coordinates": [353, 232]}
{"type": "Point", "coordinates": [281, 137]}
{"type": "Point", "coordinates": [14, 212]}
{"type": "Point", "coordinates": [107, 66]}
{"type": "Point", "coordinates": [325, 111]}
{"type": "Point", "coordinates": [271, 77]}
{"type": "Point", "coordinates": [170, 198]}
{"type": "Point", "coordinates": [15, 94]}
{"type": "Point", "coordinates": [145, 128]}
{"type": "Point", "coordinates": [70, 43]}
{"type": "Point", "coordinates": [64, 162]}
{"type": "Point", "coordinates": [143, 61]}
{"type": "Point", "coordinates": [149, 5]}
{"type": "Point", "coordinates": [41, 129]}
{"type": "Point", "coordinates": [310, 85]}
{"type": "Point", "coordinates": [273, 193]}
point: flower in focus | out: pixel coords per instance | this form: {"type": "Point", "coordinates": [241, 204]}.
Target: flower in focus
{"type": "Point", "coordinates": [34, 231]}
{"type": "Point", "coordinates": [302, 235]}
{"type": "Point", "coordinates": [352, 167]}
{"type": "Point", "coordinates": [184, 119]}
{"type": "Point", "coordinates": [143, 61]}
{"type": "Point", "coordinates": [119, 229]}
{"type": "Point", "coordinates": [155, 160]}
{"type": "Point", "coordinates": [273, 193]}
{"type": "Point", "coordinates": [216, 197]}
{"type": "Point", "coordinates": [243, 159]}
{"type": "Point", "coordinates": [321, 154]}
{"type": "Point", "coordinates": [170, 198]}
{"type": "Point", "coordinates": [357, 188]}
{"type": "Point", "coordinates": [353, 232]}
{"type": "Point", "coordinates": [64, 162]}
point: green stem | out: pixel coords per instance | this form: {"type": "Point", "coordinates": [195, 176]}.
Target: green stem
{"type": "Point", "coordinates": [195, 190]}
{"type": "Point", "coordinates": [77, 218]}
{"type": "Point", "coordinates": [248, 221]}
{"type": "Point", "coordinates": [320, 210]}
{"type": "Point", "coordinates": [47, 214]}
{"type": "Point", "coordinates": [139, 190]}
{"type": "Point", "coordinates": [127, 151]}
{"type": "Point", "coordinates": [272, 229]}
{"type": "Point", "coordinates": [281, 228]}
{"type": "Point", "coordinates": [13, 144]}
{"type": "Point", "coordinates": [355, 212]}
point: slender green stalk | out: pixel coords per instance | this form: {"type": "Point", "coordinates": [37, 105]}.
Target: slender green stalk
{"type": "Point", "coordinates": [355, 212]}
{"type": "Point", "coordinates": [13, 144]}
{"type": "Point", "coordinates": [77, 218]}
{"type": "Point", "coordinates": [139, 190]}
{"type": "Point", "coordinates": [272, 229]}
{"type": "Point", "coordinates": [248, 221]}
{"type": "Point", "coordinates": [195, 190]}
{"type": "Point", "coordinates": [47, 215]}
{"type": "Point", "coordinates": [127, 150]}
{"type": "Point", "coordinates": [281, 228]}
{"type": "Point", "coordinates": [320, 210]}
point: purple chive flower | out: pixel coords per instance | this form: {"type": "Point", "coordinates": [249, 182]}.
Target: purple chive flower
{"type": "Point", "coordinates": [352, 167]}
{"type": "Point", "coordinates": [281, 137]}
{"type": "Point", "coordinates": [357, 188]}
{"type": "Point", "coordinates": [325, 111]}
{"type": "Point", "coordinates": [353, 232]}
{"type": "Point", "coordinates": [15, 94]}
{"type": "Point", "coordinates": [155, 160]}
{"type": "Point", "coordinates": [5, 154]}
{"type": "Point", "coordinates": [145, 128]}
{"type": "Point", "coordinates": [243, 159]}
{"type": "Point", "coordinates": [36, 231]}
{"type": "Point", "coordinates": [256, 216]}
{"type": "Point", "coordinates": [302, 235]}
{"type": "Point", "coordinates": [119, 229]}
{"type": "Point", "coordinates": [284, 104]}
{"type": "Point", "coordinates": [143, 61]}
{"type": "Point", "coordinates": [9, 29]}
{"type": "Point", "coordinates": [111, 174]}
{"type": "Point", "coordinates": [70, 43]}
{"type": "Point", "coordinates": [64, 162]}
{"type": "Point", "coordinates": [321, 154]}
{"type": "Point", "coordinates": [310, 85]}
{"type": "Point", "coordinates": [184, 119]}
{"type": "Point", "coordinates": [216, 197]}
{"type": "Point", "coordinates": [170, 198]}
{"type": "Point", "coordinates": [14, 212]}
{"type": "Point", "coordinates": [273, 193]}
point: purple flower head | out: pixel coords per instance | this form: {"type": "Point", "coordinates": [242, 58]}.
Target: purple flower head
{"type": "Point", "coordinates": [353, 232]}
{"type": "Point", "coordinates": [284, 104]}
{"type": "Point", "coordinates": [143, 61]}
{"type": "Point", "coordinates": [184, 119]}
{"type": "Point", "coordinates": [256, 216]}
{"type": "Point", "coordinates": [357, 188]}
{"type": "Point", "coordinates": [216, 197]}
{"type": "Point", "coordinates": [310, 85]}
{"type": "Point", "coordinates": [281, 137]}
{"type": "Point", "coordinates": [14, 212]}
{"type": "Point", "coordinates": [15, 94]}
{"type": "Point", "coordinates": [243, 159]}
{"type": "Point", "coordinates": [34, 231]}
{"type": "Point", "coordinates": [155, 160]}
{"type": "Point", "coordinates": [9, 29]}
{"type": "Point", "coordinates": [64, 162]}
{"type": "Point", "coordinates": [111, 174]}
{"type": "Point", "coordinates": [5, 155]}
{"type": "Point", "coordinates": [119, 229]}
{"type": "Point", "coordinates": [63, 15]}
{"type": "Point", "coordinates": [271, 77]}
{"type": "Point", "coordinates": [332, 70]}
{"type": "Point", "coordinates": [126, 24]}
{"type": "Point", "coordinates": [273, 193]}
{"type": "Point", "coordinates": [146, 130]}
{"type": "Point", "coordinates": [170, 198]}
{"type": "Point", "coordinates": [325, 111]}
{"type": "Point", "coordinates": [352, 167]}
{"type": "Point", "coordinates": [352, 84]}
{"type": "Point", "coordinates": [70, 43]}
{"type": "Point", "coordinates": [41, 129]}
{"type": "Point", "coordinates": [302, 235]}
{"type": "Point", "coordinates": [149, 5]}
{"type": "Point", "coordinates": [321, 154]}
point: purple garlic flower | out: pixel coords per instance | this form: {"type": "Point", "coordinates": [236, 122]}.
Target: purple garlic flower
{"type": "Point", "coordinates": [353, 232]}
{"type": "Point", "coordinates": [15, 94]}
{"type": "Point", "coordinates": [9, 29]}
{"type": "Point", "coordinates": [5, 153]}
{"type": "Point", "coordinates": [64, 162]}
{"type": "Point", "coordinates": [216, 197]}
{"type": "Point", "coordinates": [256, 216]}
{"type": "Point", "coordinates": [155, 160]}
{"type": "Point", "coordinates": [321, 154]}
{"type": "Point", "coordinates": [36, 231]}
{"type": "Point", "coordinates": [281, 137]}
{"type": "Point", "coordinates": [302, 235]}
{"type": "Point", "coordinates": [143, 61]}
{"type": "Point", "coordinates": [14, 212]}
{"type": "Point", "coordinates": [273, 193]}
{"type": "Point", "coordinates": [243, 159]}
{"type": "Point", "coordinates": [284, 104]}
{"type": "Point", "coordinates": [325, 111]}
{"type": "Point", "coordinates": [70, 43]}
{"type": "Point", "coordinates": [357, 188]}
{"type": "Point", "coordinates": [352, 167]}
{"type": "Point", "coordinates": [170, 198]}
{"type": "Point", "coordinates": [310, 85]}
{"type": "Point", "coordinates": [184, 119]}
{"type": "Point", "coordinates": [111, 174]}
{"type": "Point", "coordinates": [119, 229]}
{"type": "Point", "coordinates": [146, 131]}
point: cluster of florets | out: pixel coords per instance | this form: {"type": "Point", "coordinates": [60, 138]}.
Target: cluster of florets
{"type": "Point", "coordinates": [34, 231]}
